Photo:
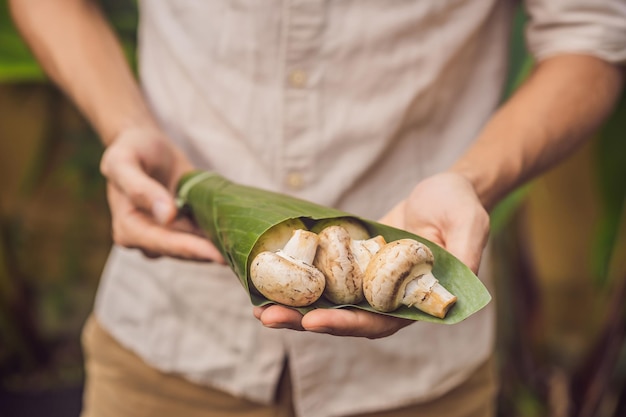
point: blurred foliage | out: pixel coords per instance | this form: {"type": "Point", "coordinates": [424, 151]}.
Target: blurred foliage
{"type": "Point", "coordinates": [611, 169]}
{"type": "Point", "coordinates": [520, 65]}
{"type": "Point", "coordinates": [54, 224]}
{"type": "Point", "coordinates": [54, 234]}
{"type": "Point", "coordinates": [540, 374]}
{"type": "Point", "coordinates": [17, 64]}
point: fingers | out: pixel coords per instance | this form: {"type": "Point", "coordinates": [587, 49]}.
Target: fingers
{"type": "Point", "coordinates": [337, 322]}
{"type": "Point", "coordinates": [278, 317]}
{"type": "Point", "coordinates": [126, 173]}
{"type": "Point", "coordinates": [466, 225]}
{"type": "Point", "coordinates": [134, 228]}
{"type": "Point", "coordinates": [467, 239]}
{"type": "Point", "coordinates": [352, 322]}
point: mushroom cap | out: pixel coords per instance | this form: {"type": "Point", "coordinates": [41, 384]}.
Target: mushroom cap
{"type": "Point", "coordinates": [286, 280]}
{"type": "Point", "coordinates": [391, 269]}
{"type": "Point", "coordinates": [334, 257]}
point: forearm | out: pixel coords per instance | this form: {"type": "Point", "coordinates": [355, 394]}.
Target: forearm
{"type": "Point", "coordinates": [80, 52]}
{"type": "Point", "coordinates": [560, 105]}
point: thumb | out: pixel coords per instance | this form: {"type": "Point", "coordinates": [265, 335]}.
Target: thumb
{"type": "Point", "coordinates": [467, 242]}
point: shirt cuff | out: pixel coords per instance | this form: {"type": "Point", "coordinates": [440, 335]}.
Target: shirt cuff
{"type": "Point", "coordinates": [592, 27]}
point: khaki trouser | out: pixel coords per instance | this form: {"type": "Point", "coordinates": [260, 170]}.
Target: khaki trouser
{"type": "Point", "coordinates": [120, 384]}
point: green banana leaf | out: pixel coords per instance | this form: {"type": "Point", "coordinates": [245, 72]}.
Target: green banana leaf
{"type": "Point", "coordinates": [234, 216]}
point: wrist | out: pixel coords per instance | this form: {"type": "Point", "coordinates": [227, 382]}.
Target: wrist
{"type": "Point", "coordinates": [483, 183]}
{"type": "Point", "coordinates": [128, 124]}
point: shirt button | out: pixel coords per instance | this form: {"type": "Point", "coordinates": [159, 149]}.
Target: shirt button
{"type": "Point", "coordinates": [298, 78]}
{"type": "Point", "coordinates": [294, 180]}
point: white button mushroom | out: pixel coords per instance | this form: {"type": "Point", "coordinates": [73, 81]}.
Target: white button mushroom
{"type": "Point", "coordinates": [400, 273]}
{"type": "Point", "coordinates": [343, 259]}
{"type": "Point", "coordinates": [287, 276]}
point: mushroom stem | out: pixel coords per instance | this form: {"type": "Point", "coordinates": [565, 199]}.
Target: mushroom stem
{"type": "Point", "coordinates": [302, 245]}
{"type": "Point", "coordinates": [426, 294]}
{"type": "Point", "coordinates": [276, 237]}
{"type": "Point", "coordinates": [364, 250]}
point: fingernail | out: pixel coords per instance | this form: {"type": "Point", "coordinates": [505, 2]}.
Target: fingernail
{"type": "Point", "coordinates": [277, 326]}
{"type": "Point", "coordinates": [161, 211]}
{"type": "Point", "coordinates": [319, 329]}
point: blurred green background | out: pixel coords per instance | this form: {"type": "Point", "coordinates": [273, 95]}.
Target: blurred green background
{"type": "Point", "coordinates": [559, 253]}
{"type": "Point", "coordinates": [54, 228]}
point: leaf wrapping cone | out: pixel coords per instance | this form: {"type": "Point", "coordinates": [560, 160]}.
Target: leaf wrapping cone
{"type": "Point", "coordinates": [235, 217]}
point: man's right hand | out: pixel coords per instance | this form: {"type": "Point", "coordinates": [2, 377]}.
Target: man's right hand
{"type": "Point", "coordinates": [142, 167]}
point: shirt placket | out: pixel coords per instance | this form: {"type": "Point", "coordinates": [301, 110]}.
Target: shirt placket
{"type": "Point", "coordinates": [303, 34]}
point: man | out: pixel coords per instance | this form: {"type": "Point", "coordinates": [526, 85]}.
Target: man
{"type": "Point", "coordinates": [384, 109]}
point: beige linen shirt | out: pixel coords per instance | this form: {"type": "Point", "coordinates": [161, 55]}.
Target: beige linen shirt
{"type": "Point", "coordinates": [348, 103]}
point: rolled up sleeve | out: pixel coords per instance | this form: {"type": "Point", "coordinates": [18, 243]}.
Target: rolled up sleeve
{"type": "Point", "coordinates": [593, 27]}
